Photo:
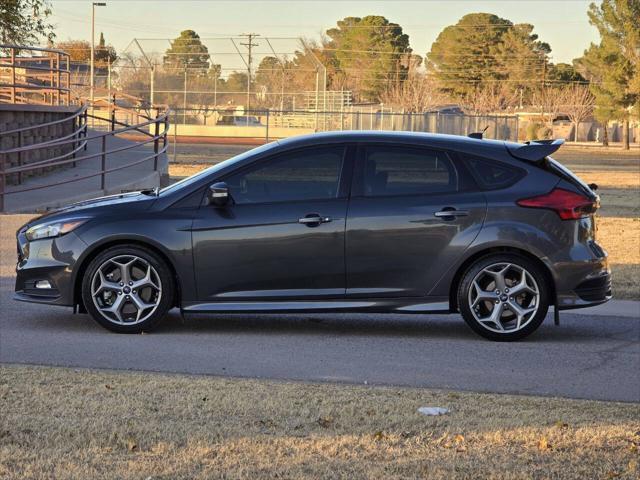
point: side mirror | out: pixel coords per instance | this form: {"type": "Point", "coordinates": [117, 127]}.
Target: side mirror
{"type": "Point", "coordinates": [218, 194]}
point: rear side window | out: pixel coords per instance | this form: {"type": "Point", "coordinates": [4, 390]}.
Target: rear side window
{"type": "Point", "coordinates": [390, 170]}
{"type": "Point", "coordinates": [492, 175]}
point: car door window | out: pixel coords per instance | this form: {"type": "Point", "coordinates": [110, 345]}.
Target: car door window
{"type": "Point", "coordinates": [308, 174]}
{"type": "Point", "coordinates": [406, 171]}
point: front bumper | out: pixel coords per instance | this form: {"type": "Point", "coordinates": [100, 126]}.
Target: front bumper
{"type": "Point", "coordinates": [51, 260]}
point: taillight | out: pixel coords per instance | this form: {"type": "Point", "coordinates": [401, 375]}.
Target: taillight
{"type": "Point", "coordinates": [568, 205]}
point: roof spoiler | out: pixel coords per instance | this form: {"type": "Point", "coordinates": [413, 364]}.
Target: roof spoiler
{"type": "Point", "coordinates": [534, 150]}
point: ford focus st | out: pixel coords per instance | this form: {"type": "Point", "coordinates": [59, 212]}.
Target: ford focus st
{"type": "Point", "coordinates": [345, 221]}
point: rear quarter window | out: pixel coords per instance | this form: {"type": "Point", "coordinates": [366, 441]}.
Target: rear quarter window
{"type": "Point", "coordinates": [491, 174]}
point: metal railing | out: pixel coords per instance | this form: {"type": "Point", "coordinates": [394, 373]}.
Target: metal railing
{"type": "Point", "coordinates": [149, 130]}
{"type": "Point", "coordinates": [33, 75]}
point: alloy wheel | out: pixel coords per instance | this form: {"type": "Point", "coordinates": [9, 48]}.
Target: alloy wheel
{"type": "Point", "coordinates": [126, 289]}
{"type": "Point", "coordinates": [504, 297]}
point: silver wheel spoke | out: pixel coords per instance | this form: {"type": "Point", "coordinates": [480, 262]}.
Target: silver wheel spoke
{"type": "Point", "coordinates": [145, 281]}
{"type": "Point", "coordinates": [125, 272]}
{"type": "Point", "coordinates": [140, 304]}
{"type": "Point", "coordinates": [499, 277]}
{"type": "Point", "coordinates": [104, 284]}
{"type": "Point", "coordinates": [523, 286]}
{"type": "Point", "coordinates": [123, 301]}
{"type": "Point", "coordinates": [510, 302]}
{"type": "Point", "coordinates": [495, 316]}
{"type": "Point", "coordinates": [519, 311]}
{"type": "Point", "coordinates": [115, 308]}
{"type": "Point", "coordinates": [483, 295]}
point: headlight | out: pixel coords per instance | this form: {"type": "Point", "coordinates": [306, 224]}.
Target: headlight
{"type": "Point", "coordinates": [53, 229]}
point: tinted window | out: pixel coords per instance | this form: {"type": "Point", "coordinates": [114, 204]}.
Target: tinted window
{"type": "Point", "coordinates": [492, 175]}
{"type": "Point", "coordinates": [407, 171]}
{"type": "Point", "coordinates": [311, 174]}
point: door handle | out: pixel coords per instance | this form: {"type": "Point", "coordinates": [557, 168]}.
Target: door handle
{"type": "Point", "coordinates": [451, 212]}
{"type": "Point", "coordinates": [313, 220]}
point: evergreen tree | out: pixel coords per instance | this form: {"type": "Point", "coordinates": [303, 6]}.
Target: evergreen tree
{"type": "Point", "coordinates": [369, 51]}
{"type": "Point", "coordinates": [612, 65]}
{"type": "Point", "coordinates": [483, 50]}
{"type": "Point", "coordinates": [187, 51]}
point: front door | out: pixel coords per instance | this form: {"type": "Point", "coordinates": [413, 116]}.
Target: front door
{"type": "Point", "coordinates": [282, 237]}
{"type": "Point", "coordinates": [410, 217]}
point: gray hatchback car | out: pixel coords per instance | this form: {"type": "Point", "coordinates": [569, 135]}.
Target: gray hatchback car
{"type": "Point", "coordinates": [346, 221]}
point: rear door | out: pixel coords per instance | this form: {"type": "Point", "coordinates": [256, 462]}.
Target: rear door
{"type": "Point", "coordinates": [412, 214]}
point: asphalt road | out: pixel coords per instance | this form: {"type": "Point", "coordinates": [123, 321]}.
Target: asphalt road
{"type": "Point", "coordinates": [594, 357]}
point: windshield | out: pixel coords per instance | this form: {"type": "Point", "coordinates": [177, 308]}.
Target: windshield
{"type": "Point", "coordinates": [185, 182]}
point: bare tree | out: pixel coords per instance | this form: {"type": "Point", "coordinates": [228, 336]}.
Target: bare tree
{"type": "Point", "coordinates": [578, 104]}
{"type": "Point", "coordinates": [417, 93]}
{"type": "Point", "coordinates": [550, 100]}
{"type": "Point", "coordinates": [490, 99]}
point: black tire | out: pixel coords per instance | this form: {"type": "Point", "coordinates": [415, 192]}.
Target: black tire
{"type": "Point", "coordinates": [162, 274]}
{"type": "Point", "coordinates": [533, 321]}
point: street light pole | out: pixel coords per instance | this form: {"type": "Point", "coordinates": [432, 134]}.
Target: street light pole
{"type": "Point", "coordinates": [93, 47]}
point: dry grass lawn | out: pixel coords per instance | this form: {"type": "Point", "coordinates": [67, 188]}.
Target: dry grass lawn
{"type": "Point", "coordinates": [611, 179]}
{"type": "Point", "coordinates": [66, 423]}
{"type": "Point", "coordinates": [184, 170]}
{"type": "Point", "coordinates": [621, 238]}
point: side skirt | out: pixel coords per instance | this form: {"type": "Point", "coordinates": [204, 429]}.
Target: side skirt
{"type": "Point", "coordinates": [377, 305]}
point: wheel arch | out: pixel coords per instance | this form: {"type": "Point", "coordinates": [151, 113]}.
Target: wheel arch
{"type": "Point", "coordinates": [453, 289]}
{"type": "Point", "coordinates": [96, 249]}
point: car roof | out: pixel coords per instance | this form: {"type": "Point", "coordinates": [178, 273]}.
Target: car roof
{"type": "Point", "coordinates": [456, 143]}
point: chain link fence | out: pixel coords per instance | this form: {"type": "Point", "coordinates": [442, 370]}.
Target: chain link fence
{"type": "Point", "coordinates": [273, 124]}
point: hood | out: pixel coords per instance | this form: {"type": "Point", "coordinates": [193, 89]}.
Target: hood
{"type": "Point", "coordinates": [110, 203]}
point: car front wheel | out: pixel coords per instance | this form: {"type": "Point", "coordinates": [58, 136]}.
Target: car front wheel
{"type": "Point", "coordinates": [128, 289]}
{"type": "Point", "coordinates": [503, 297]}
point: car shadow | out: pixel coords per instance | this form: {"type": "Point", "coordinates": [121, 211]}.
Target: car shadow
{"type": "Point", "coordinates": [573, 328]}
{"type": "Point", "coordinates": [451, 327]}
{"type": "Point", "coordinates": [357, 324]}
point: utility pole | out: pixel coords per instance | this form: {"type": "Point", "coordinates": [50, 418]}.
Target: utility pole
{"type": "Point", "coordinates": [544, 89]}
{"type": "Point", "coordinates": [93, 47]}
{"type": "Point", "coordinates": [249, 44]}
{"type": "Point", "coordinates": [184, 97]}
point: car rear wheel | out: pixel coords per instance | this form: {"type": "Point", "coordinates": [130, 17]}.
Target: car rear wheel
{"type": "Point", "coordinates": [503, 297]}
{"type": "Point", "coordinates": [127, 289]}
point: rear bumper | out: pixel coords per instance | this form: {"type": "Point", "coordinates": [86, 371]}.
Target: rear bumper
{"type": "Point", "coordinates": [594, 290]}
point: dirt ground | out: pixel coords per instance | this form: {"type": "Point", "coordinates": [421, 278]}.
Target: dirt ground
{"type": "Point", "coordinates": [71, 423]}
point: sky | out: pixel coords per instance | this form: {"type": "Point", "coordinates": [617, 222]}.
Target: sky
{"type": "Point", "coordinates": [561, 23]}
